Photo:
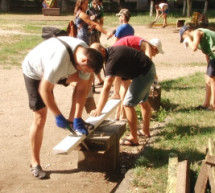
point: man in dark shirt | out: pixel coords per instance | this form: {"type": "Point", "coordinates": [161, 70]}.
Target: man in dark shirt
{"type": "Point", "coordinates": [127, 63]}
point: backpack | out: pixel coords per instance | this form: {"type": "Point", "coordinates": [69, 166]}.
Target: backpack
{"type": "Point", "coordinates": [72, 29]}
{"type": "Point", "coordinates": [48, 32]}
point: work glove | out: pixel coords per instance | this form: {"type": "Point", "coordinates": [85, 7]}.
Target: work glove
{"type": "Point", "coordinates": [78, 126]}
{"type": "Point", "coordinates": [61, 121]}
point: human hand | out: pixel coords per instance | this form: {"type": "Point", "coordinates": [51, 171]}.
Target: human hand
{"type": "Point", "coordinates": [61, 121]}
{"type": "Point", "coordinates": [78, 126]}
{"type": "Point", "coordinates": [109, 35]}
{"type": "Point", "coordinates": [95, 113]}
{"type": "Point", "coordinates": [186, 42]}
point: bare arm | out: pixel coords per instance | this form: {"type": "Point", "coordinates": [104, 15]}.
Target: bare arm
{"type": "Point", "coordinates": [97, 26]}
{"type": "Point", "coordinates": [46, 92]}
{"type": "Point", "coordinates": [79, 99]}
{"type": "Point", "coordinates": [148, 50]}
{"type": "Point", "coordinates": [194, 42]}
{"type": "Point", "coordinates": [103, 96]}
{"type": "Point", "coordinates": [207, 58]}
{"type": "Point", "coordinates": [157, 15]}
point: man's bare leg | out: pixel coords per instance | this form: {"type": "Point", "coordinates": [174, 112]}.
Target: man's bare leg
{"type": "Point", "coordinates": [36, 135]}
{"type": "Point", "coordinates": [132, 122]}
{"type": "Point", "coordinates": [146, 116]}
{"type": "Point", "coordinates": [208, 92]}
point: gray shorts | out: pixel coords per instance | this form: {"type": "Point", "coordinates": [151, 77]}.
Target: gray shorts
{"type": "Point", "coordinates": [139, 88]}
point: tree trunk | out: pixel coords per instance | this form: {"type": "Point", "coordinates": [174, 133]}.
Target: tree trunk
{"type": "Point", "coordinates": [184, 8]}
{"type": "Point", "coordinates": [5, 5]}
{"type": "Point", "coordinates": [206, 7]}
{"type": "Point", "coordinates": [189, 7]}
{"type": "Point", "coordinates": [151, 8]}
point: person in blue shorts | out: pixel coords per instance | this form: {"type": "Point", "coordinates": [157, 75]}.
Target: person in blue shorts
{"type": "Point", "coordinates": [204, 40]}
{"type": "Point", "coordinates": [162, 10]}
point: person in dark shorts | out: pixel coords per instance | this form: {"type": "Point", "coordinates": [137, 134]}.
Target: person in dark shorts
{"type": "Point", "coordinates": [162, 10]}
{"type": "Point", "coordinates": [129, 64]}
{"type": "Point", "coordinates": [48, 64]}
{"type": "Point", "coordinates": [204, 40]}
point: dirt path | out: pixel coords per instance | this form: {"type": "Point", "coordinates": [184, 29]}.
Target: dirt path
{"type": "Point", "coordinates": [15, 118]}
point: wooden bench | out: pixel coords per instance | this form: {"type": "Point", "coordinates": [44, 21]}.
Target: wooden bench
{"type": "Point", "coordinates": [51, 11]}
{"type": "Point", "coordinates": [70, 142]}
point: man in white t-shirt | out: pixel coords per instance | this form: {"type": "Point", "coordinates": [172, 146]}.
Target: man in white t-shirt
{"type": "Point", "coordinates": [49, 63]}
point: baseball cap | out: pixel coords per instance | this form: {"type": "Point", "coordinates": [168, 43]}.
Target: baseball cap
{"type": "Point", "coordinates": [124, 12]}
{"type": "Point", "coordinates": [157, 43]}
{"type": "Point", "coordinates": [182, 30]}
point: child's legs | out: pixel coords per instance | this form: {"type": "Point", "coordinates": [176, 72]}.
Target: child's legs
{"type": "Point", "coordinates": [165, 19]}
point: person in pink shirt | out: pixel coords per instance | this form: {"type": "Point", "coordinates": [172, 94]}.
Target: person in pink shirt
{"type": "Point", "coordinates": [150, 48]}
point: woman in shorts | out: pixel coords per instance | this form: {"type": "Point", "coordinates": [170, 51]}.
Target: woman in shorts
{"type": "Point", "coordinates": [204, 40]}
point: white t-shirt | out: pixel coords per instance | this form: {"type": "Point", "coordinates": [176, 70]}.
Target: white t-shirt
{"type": "Point", "coordinates": [163, 6]}
{"type": "Point", "coordinates": [50, 59]}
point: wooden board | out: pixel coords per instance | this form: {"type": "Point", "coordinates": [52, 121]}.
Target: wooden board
{"type": "Point", "coordinates": [70, 141]}
{"type": "Point", "coordinates": [201, 183]}
{"type": "Point", "coordinates": [183, 177]}
{"type": "Point", "coordinates": [210, 160]}
{"type": "Point", "coordinates": [172, 173]}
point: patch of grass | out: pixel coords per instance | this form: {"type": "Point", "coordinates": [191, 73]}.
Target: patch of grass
{"type": "Point", "coordinates": [185, 133]}
{"type": "Point", "coordinates": [13, 53]}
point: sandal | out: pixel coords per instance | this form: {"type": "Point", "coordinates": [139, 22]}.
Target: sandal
{"type": "Point", "coordinates": [141, 134]}
{"type": "Point", "coordinates": [129, 142]}
{"type": "Point", "coordinates": [200, 107]}
{"type": "Point", "coordinates": [38, 172]}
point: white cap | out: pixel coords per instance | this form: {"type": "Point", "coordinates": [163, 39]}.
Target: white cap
{"type": "Point", "coordinates": [157, 43]}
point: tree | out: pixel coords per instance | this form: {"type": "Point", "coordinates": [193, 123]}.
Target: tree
{"type": "Point", "coordinates": [184, 7]}
{"type": "Point", "coordinates": [5, 4]}
{"type": "Point", "coordinates": [189, 7]}
{"type": "Point", "coordinates": [151, 8]}
{"type": "Point", "coordinates": [206, 7]}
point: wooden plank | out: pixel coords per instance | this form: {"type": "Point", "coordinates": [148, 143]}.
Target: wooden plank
{"type": "Point", "coordinates": [70, 141]}
{"type": "Point", "coordinates": [210, 160]}
{"type": "Point", "coordinates": [211, 178]}
{"type": "Point", "coordinates": [183, 177]}
{"type": "Point", "coordinates": [51, 11]}
{"type": "Point", "coordinates": [201, 183]}
{"type": "Point", "coordinates": [211, 170]}
{"type": "Point", "coordinates": [172, 173]}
